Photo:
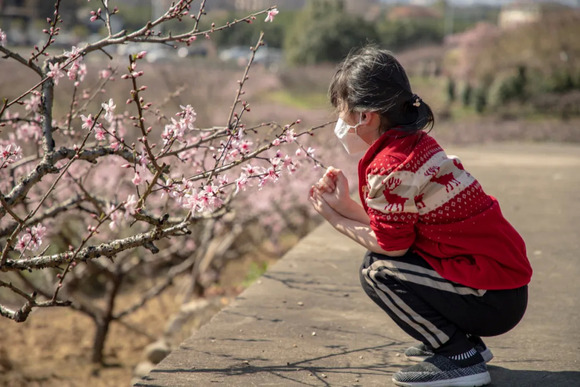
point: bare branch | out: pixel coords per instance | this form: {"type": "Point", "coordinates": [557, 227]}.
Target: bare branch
{"type": "Point", "coordinates": [109, 249]}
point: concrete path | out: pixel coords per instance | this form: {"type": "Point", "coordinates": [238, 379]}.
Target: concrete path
{"type": "Point", "coordinates": [307, 322]}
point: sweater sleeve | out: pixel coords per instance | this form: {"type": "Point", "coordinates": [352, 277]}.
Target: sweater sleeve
{"type": "Point", "coordinates": [391, 207]}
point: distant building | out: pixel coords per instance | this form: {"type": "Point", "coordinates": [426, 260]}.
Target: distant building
{"type": "Point", "coordinates": [19, 9]}
{"type": "Point", "coordinates": [526, 11]}
{"type": "Point", "coordinates": [22, 11]}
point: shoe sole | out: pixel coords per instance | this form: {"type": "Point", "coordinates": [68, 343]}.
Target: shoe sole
{"type": "Point", "coordinates": [487, 356]}
{"type": "Point", "coordinates": [465, 381]}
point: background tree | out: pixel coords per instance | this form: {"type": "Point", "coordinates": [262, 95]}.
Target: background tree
{"type": "Point", "coordinates": [323, 32]}
{"type": "Point", "coordinates": [529, 68]}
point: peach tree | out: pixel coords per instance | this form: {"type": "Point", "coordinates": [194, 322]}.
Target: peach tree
{"type": "Point", "coordinates": [112, 187]}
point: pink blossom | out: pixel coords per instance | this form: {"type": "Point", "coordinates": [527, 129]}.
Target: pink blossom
{"type": "Point", "coordinates": [10, 154]}
{"type": "Point", "coordinates": [233, 154]}
{"type": "Point", "coordinates": [3, 38]}
{"type": "Point", "coordinates": [189, 115]}
{"type": "Point", "coordinates": [175, 130]}
{"type": "Point", "coordinates": [289, 164]}
{"type": "Point", "coordinates": [75, 51]}
{"type": "Point", "coordinates": [273, 174]}
{"type": "Point", "coordinates": [23, 242]}
{"type": "Point", "coordinates": [109, 109]}
{"type": "Point", "coordinates": [103, 74]}
{"type": "Point", "coordinates": [31, 239]}
{"type": "Point", "coordinates": [115, 218]}
{"type": "Point", "coordinates": [271, 14]}
{"type": "Point", "coordinates": [29, 131]}
{"type": "Point", "coordinates": [82, 72]}
{"type": "Point", "coordinates": [137, 179]}
{"type": "Point", "coordinates": [223, 180]}
{"type": "Point", "coordinates": [33, 103]}
{"type": "Point", "coordinates": [142, 159]}
{"type": "Point", "coordinates": [290, 136]}
{"type": "Point", "coordinates": [275, 161]}
{"type": "Point", "coordinates": [245, 146]}
{"type": "Point", "coordinates": [276, 142]}
{"type": "Point", "coordinates": [130, 206]}
{"type": "Point", "coordinates": [205, 200]}
{"type": "Point", "coordinates": [250, 170]}
{"type": "Point", "coordinates": [55, 72]}
{"type": "Point", "coordinates": [100, 133]}
{"type": "Point", "coordinates": [209, 199]}
{"type": "Point", "coordinates": [191, 200]}
{"type": "Point", "coordinates": [39, 231]}
{"type": "Point", "coordinates": [310, 151]}
{"type": "Point", "coordinates": [241, 182]}
{"type": "Point", "coordinates": [88, 121]}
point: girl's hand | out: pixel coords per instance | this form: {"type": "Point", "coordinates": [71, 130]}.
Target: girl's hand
{"type": "Point", "coordinates": [317, 199]}
{"type": "Point", "coordinates": [334, 186]}
{"type": "Point", "coordinates": [327, 182]}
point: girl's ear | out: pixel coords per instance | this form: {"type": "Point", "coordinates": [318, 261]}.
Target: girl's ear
{"type": "Point", "coordinates": [370, 118]}
{"type": "Point", "coordinates": [365, 118]}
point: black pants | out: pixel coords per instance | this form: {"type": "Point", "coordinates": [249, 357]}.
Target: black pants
{"type": "Point", "coordinates": [438, 312]}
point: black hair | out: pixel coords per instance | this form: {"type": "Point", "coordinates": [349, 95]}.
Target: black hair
{"type": "Point", "coordinates": [372, 79]}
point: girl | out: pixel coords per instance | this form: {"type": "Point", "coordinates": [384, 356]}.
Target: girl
{"type": "Point", "coordinates": [443, 262]}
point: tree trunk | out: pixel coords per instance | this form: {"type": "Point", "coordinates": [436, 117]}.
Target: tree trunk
{"type": "Point", "coordinates": [103, 322]}
{"type": "Point", "coordinates": [102, 329]}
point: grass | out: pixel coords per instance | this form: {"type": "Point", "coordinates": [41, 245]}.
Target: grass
{"type": "Point", "coordinates": [254, 272]}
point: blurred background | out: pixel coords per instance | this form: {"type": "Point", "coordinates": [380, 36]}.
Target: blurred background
{"type": "Point", "coordinates": [473, 59]}
{"type": "Point", "coordinates": [492, 70]}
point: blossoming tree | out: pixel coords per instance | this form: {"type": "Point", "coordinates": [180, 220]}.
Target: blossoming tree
{"type": "Point", "coordinates": [110, 178]}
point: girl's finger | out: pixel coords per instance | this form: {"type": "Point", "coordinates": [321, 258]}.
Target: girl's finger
{"type": "Point", "coordinates": [329, 182]}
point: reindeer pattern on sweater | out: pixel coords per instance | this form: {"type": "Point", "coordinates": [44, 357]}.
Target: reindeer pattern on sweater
{"type": "Point", "coordinates": [432, 186]}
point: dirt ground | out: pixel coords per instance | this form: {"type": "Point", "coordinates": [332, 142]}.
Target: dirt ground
{"type": "Point", "coordinates": [53, 347]}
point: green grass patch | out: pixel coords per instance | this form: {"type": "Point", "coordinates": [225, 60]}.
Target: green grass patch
{"type": "Point", "coordinates": [255, 271]}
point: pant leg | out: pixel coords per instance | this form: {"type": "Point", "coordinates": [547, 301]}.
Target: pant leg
{"type": "Point", "coordinates": [438, 312]}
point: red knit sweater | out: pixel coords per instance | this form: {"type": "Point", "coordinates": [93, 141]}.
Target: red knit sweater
{"type": "Point", "coordinates": [419, 198]}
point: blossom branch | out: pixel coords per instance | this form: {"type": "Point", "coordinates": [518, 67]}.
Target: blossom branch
{"type": "Point", "coordinates": [52, 32]}
{"type": "Point", "coordinates": [144, 34]}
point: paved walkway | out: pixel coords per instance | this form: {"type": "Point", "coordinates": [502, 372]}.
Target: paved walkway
{"type": "Point", "coordinates": [307, 322]}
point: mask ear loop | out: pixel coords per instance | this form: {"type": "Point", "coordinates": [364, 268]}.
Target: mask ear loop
{"type": "Point", "coordinates": [359, 123]}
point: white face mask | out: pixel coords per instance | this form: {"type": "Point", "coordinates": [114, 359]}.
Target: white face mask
{"type": "Point", "coordinates": [350, 140]}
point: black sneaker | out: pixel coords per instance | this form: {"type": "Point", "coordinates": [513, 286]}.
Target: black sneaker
{"type": "Point", "coordinates": [439, 371]}
{"type": "Point", "coordinates": [420, 352]}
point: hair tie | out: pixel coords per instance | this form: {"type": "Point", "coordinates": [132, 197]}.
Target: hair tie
{"type": "Point", "coordinates": [416, 100]}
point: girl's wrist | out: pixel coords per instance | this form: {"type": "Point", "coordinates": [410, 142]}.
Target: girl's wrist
{"type": "Point", "coordinates": [334, 218]}
{"type": "Point", "coordinates": [346, 206]}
